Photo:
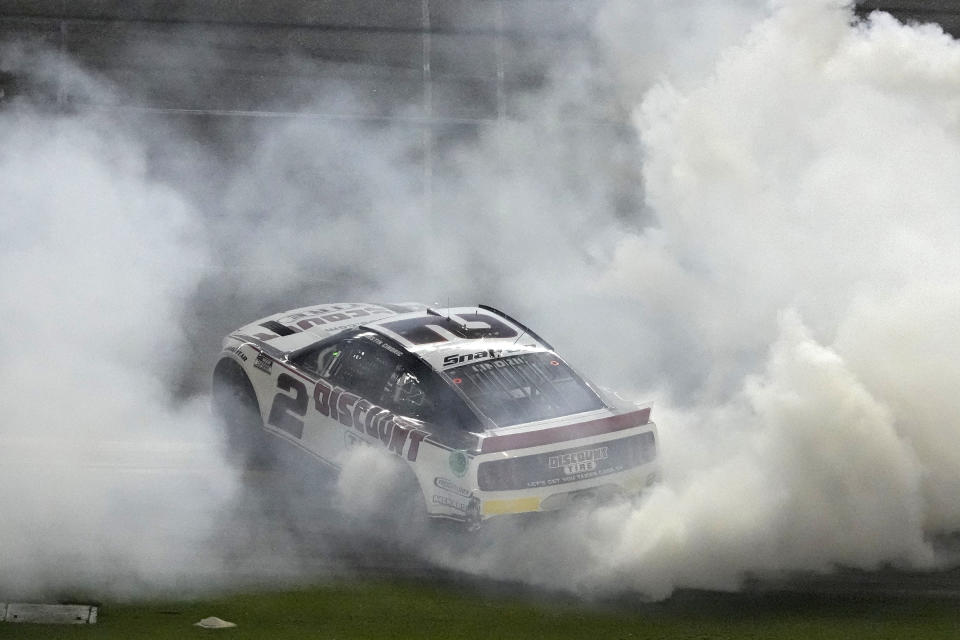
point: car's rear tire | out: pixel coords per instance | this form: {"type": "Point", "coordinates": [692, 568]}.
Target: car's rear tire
{"type": "Point", "coordinates": [235, 406]}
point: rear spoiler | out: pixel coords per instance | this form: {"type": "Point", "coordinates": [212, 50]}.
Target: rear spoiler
{"type": "Point", "coordinates": [495, 444]}
{"type": "Point", "coordinates": [523, 327]}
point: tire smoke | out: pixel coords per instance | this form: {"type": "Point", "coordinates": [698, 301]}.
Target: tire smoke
{"type": "Point", "coordinates": [768, 251]}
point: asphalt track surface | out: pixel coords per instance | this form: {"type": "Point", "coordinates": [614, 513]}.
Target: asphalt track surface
{"type": "Point", "coordinates": [330, 546]}
{"type": "Point", "coordinates": [284, 528]}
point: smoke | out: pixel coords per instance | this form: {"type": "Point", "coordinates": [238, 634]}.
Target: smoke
{"type": "Point", "coordinates": [103, 475]}
{"type": "Point", "coordinates": [767, 250]}
{"type": "Point", "coordinates": [803, 470]}
{"type": "Point", "coordinates": [805, 207]}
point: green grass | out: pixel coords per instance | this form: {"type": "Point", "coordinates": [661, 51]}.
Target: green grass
{"type": "Point", "coordinates": [412, 610]}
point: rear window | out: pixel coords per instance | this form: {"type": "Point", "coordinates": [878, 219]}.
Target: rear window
{"type": "Point", "coordinates": [523, 388]}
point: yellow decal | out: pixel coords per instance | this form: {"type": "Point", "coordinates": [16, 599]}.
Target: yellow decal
{"type": "Point", "coordinates": [519, 505]}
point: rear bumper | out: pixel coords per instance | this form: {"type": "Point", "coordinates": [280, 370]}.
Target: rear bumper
{"type": "Point", "coordinates": [584, 462]}
{"type": "Point", "coordinates": [551, 478]}
{"type": "Point", "coordinates": [558, 500]}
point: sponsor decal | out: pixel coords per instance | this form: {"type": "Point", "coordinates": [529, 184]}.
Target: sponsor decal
{"type": "Point", "coordinates": [453, 503]}
{"type": "Point", "coordinates": [572, 465]}
{"type": "Point", "coordinates": [455, 359]}
{"type": "Point", "coordinates": [459, 463]}
{"type": "Point", "coordinates": [364, 417]}
{"type": "Point", "coordinates": [264, 363]}
{"type": "Point", "coordinates": [578, 461]}
{"type": "Point", "coordinates": [452, 487]}
{"type": "Point", "coordinates": [240, 354]}
{"type": "Point", "coordinates": [333, 314]}
{"type": "Point", "coordinates": [289, 405]}
{"type": "Point", "coordinates": [392, 349]}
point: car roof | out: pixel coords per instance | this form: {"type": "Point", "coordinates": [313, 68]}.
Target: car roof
{"type": "Point", "coordinates": [443, 337]}
{"type": "Point", "coordinates": [448, 337]}
{"type": "Point", "coordinates": [322, 321]}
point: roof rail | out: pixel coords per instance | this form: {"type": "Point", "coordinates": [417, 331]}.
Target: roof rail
{"type": "Point", "coordinates": [525, 328]}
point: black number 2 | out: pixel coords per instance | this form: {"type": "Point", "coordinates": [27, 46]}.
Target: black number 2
{"type": "Point", "coordinates": [287, 411]}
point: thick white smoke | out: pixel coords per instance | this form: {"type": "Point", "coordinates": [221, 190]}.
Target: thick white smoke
{"type": "Point", "coordinates": [104, 480]}
{"type": "Point", "coordinates": [805, 197]}
{"type": "Point", "coordinates": [768, 252]}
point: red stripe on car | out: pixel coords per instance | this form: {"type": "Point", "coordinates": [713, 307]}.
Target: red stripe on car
{"type": "Point", "coordinates": [494, 444]}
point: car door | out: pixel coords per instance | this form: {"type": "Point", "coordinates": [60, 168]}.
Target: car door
{"type": "Point", "coordinates": [349, 375]}
{"type": "Point", "coordinates": [415, 391]}
{"type": "Point", "coordinates": [361, 389]}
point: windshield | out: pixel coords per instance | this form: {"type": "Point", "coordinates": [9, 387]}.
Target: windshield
{"type": "Point", "coordinates": [523, 388]}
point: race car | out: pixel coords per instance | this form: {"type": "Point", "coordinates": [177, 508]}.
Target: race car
{"type": "Point", "coordinates": [484, 414]}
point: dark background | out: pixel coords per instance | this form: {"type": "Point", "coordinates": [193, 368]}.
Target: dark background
{"type": "Point", "coordinates": [444, 68]}
{"type": "Point", "coordinates": [450, 64]}
{"type": "Point", "coordinates": [223, 72]}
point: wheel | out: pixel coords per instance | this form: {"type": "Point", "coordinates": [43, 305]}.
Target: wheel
{"type": "Point", "coordinates": [236, 408]}
{"type": "Point", "coordinates": [378, 493]}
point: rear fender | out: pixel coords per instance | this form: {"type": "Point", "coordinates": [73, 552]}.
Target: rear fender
{"type": "Point", "coordinates": [445, 478]}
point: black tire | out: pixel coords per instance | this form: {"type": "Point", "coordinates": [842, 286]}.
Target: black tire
{"type": "Point", "coordinates": [236, 408]}
{"type": "Point", "coordinates": [398, 516]}
{"type": "Point", "coordinates": [411, 517]}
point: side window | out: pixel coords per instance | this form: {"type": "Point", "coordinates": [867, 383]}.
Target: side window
{"type": "Point", "coordinates": [320, 361]}
{"type": "Point", "coordinates": [360, 366]}
{"type": "Point", "coordinates": [416, 392]}
{"type": "Point", "coordinates": [401, 384]}
{"type": "Point", "coordinates": [406, 395]}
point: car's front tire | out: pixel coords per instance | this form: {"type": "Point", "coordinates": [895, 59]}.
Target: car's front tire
{"type": "Point", "coordinates": [235, 406]}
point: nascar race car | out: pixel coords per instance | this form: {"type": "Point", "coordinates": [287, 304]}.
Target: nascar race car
{"type": "Point", "coordinates": [486, 416]}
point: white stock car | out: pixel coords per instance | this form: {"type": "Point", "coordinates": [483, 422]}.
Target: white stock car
{"type": "Point", "coordinates": [487, 417]}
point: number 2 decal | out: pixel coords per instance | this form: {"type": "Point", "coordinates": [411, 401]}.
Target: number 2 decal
{"type": "Point", "coordinates": [288, 411]}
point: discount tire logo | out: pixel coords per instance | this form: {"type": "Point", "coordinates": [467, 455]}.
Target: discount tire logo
{"type": "Point", "coordinates": [578, 461]}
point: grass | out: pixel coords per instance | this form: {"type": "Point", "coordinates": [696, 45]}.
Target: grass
{"type": "Point", "coordinates": [414, 610]}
